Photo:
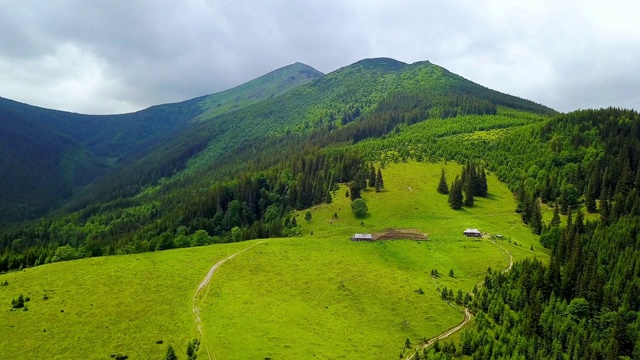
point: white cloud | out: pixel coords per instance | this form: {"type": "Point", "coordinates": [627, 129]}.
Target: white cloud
{"type": "Point", "coordinates": [69, 78]}
{"type": "Point", "coordinates": [121, 56]}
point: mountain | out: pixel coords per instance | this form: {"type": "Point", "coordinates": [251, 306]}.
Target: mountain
{"type": "Point", "coordinates": [178, 152]}
{"type": "Point", "coordinates": [49, 155]}
{"type": "Point", "coordinates": [265, 87]}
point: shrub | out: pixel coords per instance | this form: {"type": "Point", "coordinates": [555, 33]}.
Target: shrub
{"type": "Point", "coordinates": [359, 207]}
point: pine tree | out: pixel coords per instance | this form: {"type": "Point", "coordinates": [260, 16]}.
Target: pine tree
{"type": "Point", "coordinates": [354, 190]}
{"type": "Point", "coordinates": [555, 220]}
{"type": "Point", "coordinates": [484, 189]}
{"type": "Point", "coordinates": [372, 177]}
{"type": "Point", "coordinates": [605, 210]}
{"type": "Point", "coordinates": [468, 191]}
{"type": "Point", "coordinates": [170, 354]}
{"type": "Point", "coordinates": [379, 181]}
{"type": "Point", "coordinates": [536, 217]}
{"type": "Point", "coordinates": [455, 194]}
{"type": "Point", "coordinates": [443, 188]}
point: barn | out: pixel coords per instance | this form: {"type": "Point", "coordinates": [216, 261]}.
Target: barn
{"type": "Point", "coordinates": [362, 237]}
{"type": "Point", "coordinates": [472, 233]}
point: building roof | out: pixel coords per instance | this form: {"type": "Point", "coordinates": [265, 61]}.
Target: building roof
{"type": "Point", "coordinates": [363, 236]}
{"type": "Point", "coordinates": [474, 231]}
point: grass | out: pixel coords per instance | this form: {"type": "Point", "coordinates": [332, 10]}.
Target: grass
{"type": "Point", "coordinates": [323, 296]}
{"type": "Point", "coordinates": [410, 200]}
{"type": "Point", "coordinates": [108, 305]}
{"type": "Point", "coordinates": [317, 296]}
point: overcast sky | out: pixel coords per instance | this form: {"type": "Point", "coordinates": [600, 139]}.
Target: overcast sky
{"type": "Point", "coordinates": [120, 55]}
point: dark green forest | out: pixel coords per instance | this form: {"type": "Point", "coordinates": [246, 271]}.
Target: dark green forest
{"type": "Point", "coordinates": [584, 303]}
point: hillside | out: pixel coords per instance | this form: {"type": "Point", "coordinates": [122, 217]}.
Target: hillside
{"type": "Point", "coordinates": [177, 173]}
{"type": "Point", "coordinates": [366, 99]}
{"type": "Point", "coordinates": [316, 294]}
{"type": "Point", "coordinates": [50, 155]}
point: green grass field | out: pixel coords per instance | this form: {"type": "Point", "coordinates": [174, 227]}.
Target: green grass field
{"type": "Point", "coordinates": [323, 296]}
{"type": "Point", "coordinates": [317, 296]}
{"type": "Point", "coordinates": [107, 305]}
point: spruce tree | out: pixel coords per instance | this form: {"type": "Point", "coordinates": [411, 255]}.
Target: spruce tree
{"type": "Point", "coordinates": [536, 217]}
{"type": "Point", "coordinates": [170, 354]}
{"type": "Point", "coordinates": [443, 188]}
{"type": "Point", "coordinates": [354, 190]}
{"type": "Point", "coordinates": [605, 210]}
{"type": "Point", "coordinates": [372, 177]}
{"type": "Point", "coordinates": [484, 189]}
{"type": "Point", "coordinates": [455, 194]}
{"type": "Point", "coordinates": [379, 181]}
{"type": "Point", "coordinates": [468, 192]}
{"type": "Point", "coordinates": [555, 220]}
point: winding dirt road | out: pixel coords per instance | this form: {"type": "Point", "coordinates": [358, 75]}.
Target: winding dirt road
{"type": "Point", "coordinates": [203, 284]}
{"type": "Point", "coordinates": [467, 314]}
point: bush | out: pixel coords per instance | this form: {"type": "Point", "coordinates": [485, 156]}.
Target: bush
{"type": "Point", "coordinates": [64, 253]}
{"type": "Point", "coordinates": [359, 207]}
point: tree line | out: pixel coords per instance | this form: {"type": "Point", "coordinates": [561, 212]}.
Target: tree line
{"type": "Point", "coordinates": [584, 303]}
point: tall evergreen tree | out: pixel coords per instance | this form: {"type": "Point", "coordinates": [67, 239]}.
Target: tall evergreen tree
{"type": "Point", "coordinates": [536, 217]}
{"type": "Point", "coordinates": [170, 354]}
{"type": "Point", "coordinates": [469, 190]}
{"type": "Point", "coordinates": [372, 177]}
{"type": "Point", "coordinates": [484, 189]}
{"type": "Point", "coordinates": [555, 220]}
{"type": "Point", "coordinates": [443, 188]}
{"type": "Point", "coordinates": [455, 194]}
{"type": "Point", "coordinates": [354, 189]}
{"type": "Point", "coordinates": [590, 201]}
{"type": "Point", "coordinates": [605, 210]}
{"type": "Point", "coordinates": [379, 181]}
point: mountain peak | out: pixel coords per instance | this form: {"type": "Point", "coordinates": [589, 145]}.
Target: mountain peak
{"type": "Point", "coordinates": [270, 85]}
{"type": "Point", "coordinates": [382, 63]}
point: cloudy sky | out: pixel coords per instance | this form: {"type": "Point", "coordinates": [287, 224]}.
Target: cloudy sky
{"type": "Point", "coordinates": [120, 55]}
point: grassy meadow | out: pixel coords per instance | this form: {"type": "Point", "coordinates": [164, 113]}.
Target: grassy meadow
{"type": "Point", "coordinates": [323, 296]}
{"type": "Point", "coordinates": [107, 305]}
{"type": "Point", "coordinates": [316, 296]}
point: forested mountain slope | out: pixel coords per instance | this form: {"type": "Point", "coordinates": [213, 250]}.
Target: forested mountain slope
{"type": "Point", "coordinates": [583, 305]}
{"type": "Point", "coordinates": [241, 172]}
{"type": "Point", "coordinates": [48, 155]}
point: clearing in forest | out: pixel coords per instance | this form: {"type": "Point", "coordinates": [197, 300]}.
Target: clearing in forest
{"type": "Point", "coordinates": [319, 294]}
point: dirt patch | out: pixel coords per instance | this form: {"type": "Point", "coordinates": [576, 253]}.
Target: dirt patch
{"type": "Point", "coordinates": [401, 234]}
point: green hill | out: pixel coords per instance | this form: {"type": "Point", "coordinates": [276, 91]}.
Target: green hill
{"type": "Point", "coordinates": [319, 294]}
{"type": "Point", "coordinates": [181, 169]}
{"type": "Point", "coordinates": [50, 155]}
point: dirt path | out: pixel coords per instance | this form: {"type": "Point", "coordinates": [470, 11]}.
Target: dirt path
{"type": "Point", "coordinates": [453, 330]}
{"type": "Point", "coordinates": [507, 255]}
{"type": "Point", "coordinates": [199, 291]}
{"type": "Point", "coordinates": [467, 314]}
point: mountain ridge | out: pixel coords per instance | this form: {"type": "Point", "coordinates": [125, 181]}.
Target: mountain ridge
{"type": "Point", "coordinates": [102, 143]}
{"type": "Point", "coordinates": [210, 131]}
